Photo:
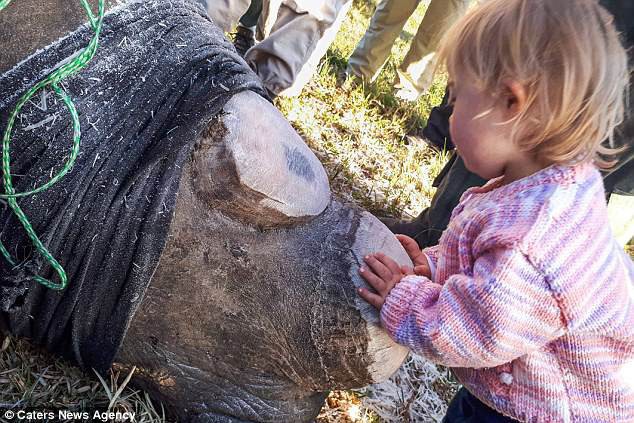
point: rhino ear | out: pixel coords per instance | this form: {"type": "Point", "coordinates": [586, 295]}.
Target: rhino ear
{"type": "Point", "coordinates": [252, 166]}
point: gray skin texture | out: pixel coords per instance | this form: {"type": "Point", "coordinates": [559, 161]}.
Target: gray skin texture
{"type": "Point", "coordinates": [252, 313]}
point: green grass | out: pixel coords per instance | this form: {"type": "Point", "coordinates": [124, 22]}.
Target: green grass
{"type": "Point", "coordinates": [361, 135]}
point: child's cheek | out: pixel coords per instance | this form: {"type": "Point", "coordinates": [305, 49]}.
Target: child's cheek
{"type": "Point", "coordinates": [456, 132]}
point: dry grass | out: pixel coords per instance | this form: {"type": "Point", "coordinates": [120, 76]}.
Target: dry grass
{"type": "Point", "coordinates": [345, 407]}
{"type": "Point", "coordinates": [31, 378]}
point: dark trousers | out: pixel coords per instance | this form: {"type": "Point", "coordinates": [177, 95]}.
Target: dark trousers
{"type": "Point", "coordinates": [466, 408]}
{"type": "Point", "coordinates": [252, 15]}
{"type": "Point", "coordinates": [453, 180]}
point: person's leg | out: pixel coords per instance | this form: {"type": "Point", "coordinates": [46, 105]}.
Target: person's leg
{"type": "Point", "coordinates": [270, 9]}
{"type": "Point", "coordinates": [436, 131]}
{"type": "Point", "coordinates": [416, 72]}
{"type": "Point", "coordinates": [374, 48]}
{"type": "Point", "coordinates": [328, 35]}
{"type": "Point", "coordinates": [252, 15]}
{"type": "Point", "coordinates": [287, 58]}
{"type": "Point", "coordinates": [244, 37]}
{"type": "Point", "coordinates": [226, 13]}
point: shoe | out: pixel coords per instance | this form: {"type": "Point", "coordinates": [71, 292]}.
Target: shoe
{"type": "Point", "coordinates": [411, 89]}
{"type": "Point", "coordinates": [243, 40]}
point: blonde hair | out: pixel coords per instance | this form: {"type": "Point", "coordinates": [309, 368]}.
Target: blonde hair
{"type": "Point", "coordinates": [568, 57]}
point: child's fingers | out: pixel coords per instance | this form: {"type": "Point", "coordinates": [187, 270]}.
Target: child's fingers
{"type": "Point", "coordinates": [409, 244]}
{"type": "Point", "coordinates": [394, 267]}
{"type": "Point", "coordinates": [381, 270]}
{"type": "Point", "coordinates": [373, 280]}
{"type": "Point", "coordinates": [373, 299]}
{"type": "Point", "coordinates": [407, 270]}
{"type": "Point", "coordinates": [422, 270]}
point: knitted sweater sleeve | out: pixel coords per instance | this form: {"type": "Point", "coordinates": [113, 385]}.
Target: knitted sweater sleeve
{"type": "Point", "coordinates": [432, 256]}
{"type": "Point", "coordinates": [504, 310]}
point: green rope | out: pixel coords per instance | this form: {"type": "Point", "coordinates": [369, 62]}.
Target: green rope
{"type": "Point", "coordinates": [52, 80]}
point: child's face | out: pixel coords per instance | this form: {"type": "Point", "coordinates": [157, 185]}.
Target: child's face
{"type": "Point", "coordinates": [478, 130]}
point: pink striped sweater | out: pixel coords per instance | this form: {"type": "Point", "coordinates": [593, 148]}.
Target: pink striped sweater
{"type": "Point", "coordinates": [531, 302]}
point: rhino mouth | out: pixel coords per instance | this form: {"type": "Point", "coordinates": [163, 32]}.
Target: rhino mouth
{"type": "Point", "coordinates": [272, 317]}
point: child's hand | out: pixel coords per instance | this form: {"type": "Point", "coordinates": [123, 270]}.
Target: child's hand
{"type": "Point", "coordinates": [421, 266]}
{"type": "Point", "coordinates": [381, 274]}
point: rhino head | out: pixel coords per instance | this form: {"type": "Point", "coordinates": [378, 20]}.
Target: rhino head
{"type": "Point", "coordinates": [253, 311]}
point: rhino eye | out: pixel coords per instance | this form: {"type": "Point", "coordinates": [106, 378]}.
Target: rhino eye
{"type": "Point", "coordinates": [251, 165]}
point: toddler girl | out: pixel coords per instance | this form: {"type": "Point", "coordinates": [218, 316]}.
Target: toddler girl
{"type": "Point", "coordinates": [527, 296]}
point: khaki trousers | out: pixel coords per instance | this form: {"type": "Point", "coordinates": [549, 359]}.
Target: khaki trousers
{"type": "Point", "coordinates": [416, 72]}
{"type": "Point", "coordinates": [295, 36]}
{"type": "Point", "coordinates": [226, 13]}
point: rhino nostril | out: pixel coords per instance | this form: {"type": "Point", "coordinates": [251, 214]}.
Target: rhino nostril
{"type": "Point", "coordinates": [239, 252]}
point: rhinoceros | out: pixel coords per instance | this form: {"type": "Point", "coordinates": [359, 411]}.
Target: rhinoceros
{"type": "Point", "coordinates": [201, 240]}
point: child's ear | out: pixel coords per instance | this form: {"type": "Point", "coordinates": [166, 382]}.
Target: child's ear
{"type": "Point", "coordinates": [514, 96]}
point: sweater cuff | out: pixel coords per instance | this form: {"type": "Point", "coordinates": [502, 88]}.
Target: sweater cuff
{"type": "Point", "coordinates": [432, 266]}
{"type": "Point", "coordinates": [397, 307]}
{"type": "Point", "coordinates": [432, 255]}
